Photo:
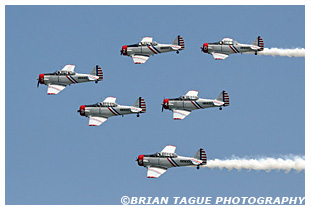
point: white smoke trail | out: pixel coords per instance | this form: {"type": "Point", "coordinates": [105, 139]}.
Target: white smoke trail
{"type": "Point", "coordinates": [267, 164]}
{"type": "Point", "coordinates": [298, 52]}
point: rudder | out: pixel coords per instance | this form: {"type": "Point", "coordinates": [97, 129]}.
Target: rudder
{"type": "Point", "coordinates": [201, 155]}
{"type": "Point", "coordinates": [224, 97]}
{"type": "Point", "coordinates": [97, 71]}
{"type": "Point", "coordinates": [140, 103]}
{"type": "Point", "coordinates": [259, 42]}
{"type": "Point", "coordinates": [180, 42]}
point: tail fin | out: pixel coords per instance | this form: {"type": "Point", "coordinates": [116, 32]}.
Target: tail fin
{"type": "Point", "coordinates": [259, 42]}
{"type": "Point", "coordinates": [140, 103]}
{"type": "Point", "coordinates": [97, 71]}
{"type": "Point", "coordinates": [201, 155]}
{"type": "Point", "coordinates": [224, 97]}
{"type": "Point", "coordinates": [180, 42]}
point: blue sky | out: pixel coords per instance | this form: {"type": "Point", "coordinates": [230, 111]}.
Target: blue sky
{"type": "Point", "coordinates": [54, 157]}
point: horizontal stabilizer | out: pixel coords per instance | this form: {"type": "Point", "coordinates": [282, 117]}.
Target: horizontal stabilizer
{"type": "Point", "coordinates": [196, 162]}
{"type": "Point", "coordinates": [135, 109]}
{"type": "Point", "coordinates": [91, 77]}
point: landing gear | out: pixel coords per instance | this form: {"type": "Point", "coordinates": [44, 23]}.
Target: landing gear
{"type": "Point", "coordinates": [198, 167]}
{"type": "Point", "coordinates": [177, 52]}
{"type": "Point", "coordinates": [255, 53]}
{"type": "Point", "coordinates": [137, 115]}
{"type": "Point", "coordinates": [96, 81]}
{"type": "Point", "coordinates": [220, 108]}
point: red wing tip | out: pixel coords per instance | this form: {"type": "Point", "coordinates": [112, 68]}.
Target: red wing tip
{"type": "Point", "coordinates": [177, 118]}
{"type": "Point", "coordinates": [138, 63]}
{"type": "Point", "coordinates": [51, 93]}
{"type": "Point", "coordinates": [92, 125]}
{"type": "Point", "coordinates": [151, 177]}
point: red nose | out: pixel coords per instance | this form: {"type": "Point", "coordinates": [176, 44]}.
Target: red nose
{"type": "Point", "coordinates": [165, 103]}
{"type": "Point", "coordinates": [41, 78]}
{"type": "Point", "coordinates": [205, 47]}
{"type": "Point", "coordinates": [124, 50]}
{"type": "Point", "coordinates": [140, 160]}
{"type": "Point", "coordinates": [82, 110]}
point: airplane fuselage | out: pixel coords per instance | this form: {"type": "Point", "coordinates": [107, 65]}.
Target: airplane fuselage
{"type": "Point", "coordinates": [107, 111]}
{"type": "Point", "coordinates": [188, 104]}
{"type": "Point", "coordinates": [148, 50]}
{"type": "Point", "coordinates": [66, 79]}
{"type": "Point", "coordinates": [229, 48]}
{"type": "Point", "coordinates": [166, 161]}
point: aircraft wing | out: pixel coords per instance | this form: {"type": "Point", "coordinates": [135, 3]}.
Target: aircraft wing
{"type": "Point", "coordinates": [192, 93]}
{"type": "Point", "coordinates": [219, 56]}
{"type": "Point", "coordinates": [155, 172]}
{"type": "Point", "coordinates": [69, 67]}
{"type": "Point", "coordinates": [54, 89]}
{"type": "Point", "coordinates": [179, 114]}
{"type": "Point", "coordinates": [140, 59]}
{"type": "Point", "coordinates": [110, 100]}
{"type": "Point", "coordinates": [96, 121]}
{"type": "Point", "coordinates": [169, 149]}
{"type": "Point", "coordinates": [146, 40]}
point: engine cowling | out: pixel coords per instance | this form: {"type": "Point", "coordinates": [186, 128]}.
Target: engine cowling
{"type": "Point", "coordinates": [205, 47]}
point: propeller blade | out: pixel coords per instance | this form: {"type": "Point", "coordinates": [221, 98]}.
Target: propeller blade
{"type": "Point", "coordinates": [38, 84]}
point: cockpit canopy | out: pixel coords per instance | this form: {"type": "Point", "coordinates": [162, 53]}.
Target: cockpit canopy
{"type": "Point", "coordinates": [64, 72]}
{"type": "Point", "coordinates": [108, 104]}
{"type": "Point", "coordinates": [103, 104]}
{"type": "Point", "coordinates": [228, 41]}
{"type": "Point", "coordinates": [163, 154]}
{"type": "Point", "coordinates": [185, 97]}
{"type": "Point", "coordinates": [153, 43]}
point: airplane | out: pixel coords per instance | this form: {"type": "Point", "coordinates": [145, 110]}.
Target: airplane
{"type": "Point", "coordinates": [58, 80]}
{"type": "Point", "coordinates": [100, 112]}
{"type": "Point", "coordinates": [183, 105]}
{"type": "Point", "coordinates": [221, 50]}
{"type": "Point", "coordinates": [141, 51]}
{"type": "Point", "coordinates": [158, 163]}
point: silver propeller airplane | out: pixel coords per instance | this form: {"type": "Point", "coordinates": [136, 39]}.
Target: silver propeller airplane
{"type": "Point", "coordinates": [221, 50]}
{"type": "Point", "coordinates": [58, 80]}
{"type": "Point", "coordinates": [183, 105]}
{"type": "Point", "coordinates": [141, 51]}
{"type": "Point", "coordinates": [158, 163]}
{"type": "Point", "coordinates": [100, 112]}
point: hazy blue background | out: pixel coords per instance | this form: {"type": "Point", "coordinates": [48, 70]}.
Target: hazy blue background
{"type": "Point", "coordinates": [54, 157]}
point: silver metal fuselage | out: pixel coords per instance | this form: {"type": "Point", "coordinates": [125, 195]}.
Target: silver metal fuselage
{"type": "Point", "coordinates": [191, 104]}
{"type": "Point", "coordinates": [130, 50]}
{"type": "Point", "coordinates": [65, 79]}
{"type": "Point", "coordinates": [99, 111]}
{"type": "Point", "coordinates": [229, 48]}
{"type": "Point", "coordinates": [165, 162]}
